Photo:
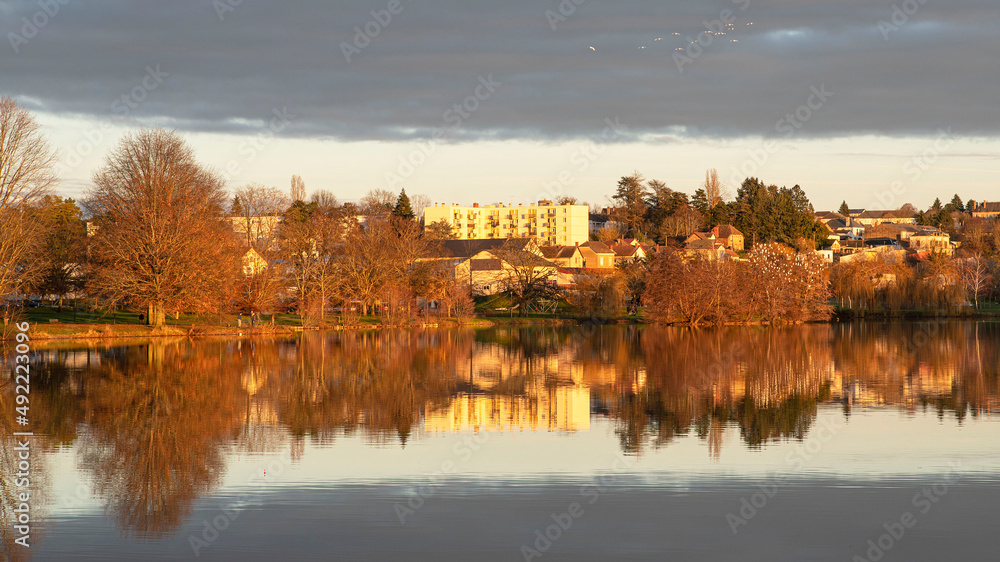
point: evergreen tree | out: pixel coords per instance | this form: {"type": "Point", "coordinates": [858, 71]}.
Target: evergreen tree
{"type": "Point", "coordinates": [844, 209]}
{"type": "Point", "coordinates": [956, 204]}
{"type": "Point", "coordinates": [700, 201]}
{"type": "Point", "coordinates": [970, 205]}
{"type": "Point", "coordinates": [631, 210]}
{"type": "Point", "coordinates": [936, 206]}
{"type": "Point", "coordinates": [236, 210]}
{"type": "Point", "coordinates": [403, 208]}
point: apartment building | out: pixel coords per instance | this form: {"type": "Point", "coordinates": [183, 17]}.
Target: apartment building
{"type": "Point", "coordinates": [546, 221]}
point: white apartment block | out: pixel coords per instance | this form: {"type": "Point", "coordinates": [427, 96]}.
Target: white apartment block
{"type": "Point", "coordinates": [549, 223]}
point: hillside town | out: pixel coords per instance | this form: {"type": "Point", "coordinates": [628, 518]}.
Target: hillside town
{"type": "Point", "coordinates": [178, 240]}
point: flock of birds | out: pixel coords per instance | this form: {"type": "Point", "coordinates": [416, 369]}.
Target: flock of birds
{"type": "Point", "coordinates": [728, 29]}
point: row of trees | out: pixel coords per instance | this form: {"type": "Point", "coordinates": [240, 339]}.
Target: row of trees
{"type": "Point", "coordinates": [776, 284]}
{"type": "Point", "coordinates": [163, 236]}
{"type": "Point", "coordinates": [649, 210]}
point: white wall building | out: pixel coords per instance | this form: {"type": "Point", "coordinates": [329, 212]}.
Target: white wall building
{"type": "Point", "coordinates": [550, 223]}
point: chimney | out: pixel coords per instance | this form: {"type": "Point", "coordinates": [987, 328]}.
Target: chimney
{"type": "Point", "coordinates": [475, 205]}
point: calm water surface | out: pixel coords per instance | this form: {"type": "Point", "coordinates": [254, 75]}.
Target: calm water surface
{"type": "Point", "coordinates": [861, 441]}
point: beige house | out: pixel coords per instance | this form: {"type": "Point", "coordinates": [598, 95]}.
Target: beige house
{"type": "Point", "coordinates": [597, 255]}
{"type": "Point", "coordinates": [563, 256]}
{"type": "Point", "coordinates": [253, 263]}
{"type": "Point", "coordinates": [726, 235]}
{"type": "Point", "coordinates": [489, 266]}
{"type": "Point", "coordinates": [986, 209]}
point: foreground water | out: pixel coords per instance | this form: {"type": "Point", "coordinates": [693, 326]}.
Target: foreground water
{"type": "Point", "coordinates": [843, 442]}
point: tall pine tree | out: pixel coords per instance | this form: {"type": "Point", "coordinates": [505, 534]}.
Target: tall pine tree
{"type": "Point", "coordinates": [403, 208]}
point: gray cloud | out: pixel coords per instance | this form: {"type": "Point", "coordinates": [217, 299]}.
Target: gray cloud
{"type": "Point", "coordinates": [938, 69]}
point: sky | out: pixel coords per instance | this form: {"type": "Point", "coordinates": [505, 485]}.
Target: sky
{"type": "Point", "coordinates": [877, 102]}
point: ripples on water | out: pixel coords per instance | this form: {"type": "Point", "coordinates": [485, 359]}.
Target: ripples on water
{"type": "Point", "coordinates": [318, 440]}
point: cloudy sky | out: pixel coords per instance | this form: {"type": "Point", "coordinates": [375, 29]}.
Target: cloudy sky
{"type": "Point", "coordinates": [879, 102]}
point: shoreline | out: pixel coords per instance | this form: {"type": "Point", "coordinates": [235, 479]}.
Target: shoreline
{"type": "Point", "coordinates": [98, 332]}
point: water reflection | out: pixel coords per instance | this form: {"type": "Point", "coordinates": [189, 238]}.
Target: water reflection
{"type": "Point", "coordinates": [154, 424]}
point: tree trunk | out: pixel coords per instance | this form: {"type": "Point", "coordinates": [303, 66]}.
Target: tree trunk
{"type": "Point", "coordinates": [155, 316]}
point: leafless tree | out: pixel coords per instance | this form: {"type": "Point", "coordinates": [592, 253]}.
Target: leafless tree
{"type": "Point", "coordinates": [161, 240]}
{"type": "Point", "coordinates": [715, 192]}
{"type": "Point", "coordinates": [377, 202]}
{"type": "Point", "coordinates": [27, 165]}
{"type": "Point", "coordinates": [418, 203]}
{"type": "Point", "coordinates": [325, 199]}
{"type": "Point", "coordinates": [298, 191]}
{"type": "Point", "coordinates": [976, 276]}
{"type": "Point", "coordinates": [259, 209]}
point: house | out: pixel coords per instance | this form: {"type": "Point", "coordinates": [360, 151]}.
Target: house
{"type": "Point", "coordinates": [563, 256]}
{"type": "Point", "coordinates": [931, 242]}
{"type": "Point", "coordinates": [628, 253]}
{"type": "Point", "coordinates": [707, 248]}
{"type": "Point", "coordinates": [488, 265]}
{"type": "Point", "coordinates": [730, 236]}
{"type": "Point", "coordinates": [985, 209]}
{"type": "Point", "coordinates": [253, 262]}
{"type": "Point", "coordinates": [597, 255]}
{"type": "Point", "coordinates": [845, 227]}
{"type": "Point", "coordinates": [725, 235]}
{"type": "Point", "coordinates": [873, 218]}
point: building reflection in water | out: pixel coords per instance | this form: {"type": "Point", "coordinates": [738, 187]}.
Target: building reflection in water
{"type": "Point", "coordinates": [153, 424]}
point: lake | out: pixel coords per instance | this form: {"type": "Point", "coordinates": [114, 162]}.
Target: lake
{"type": "Point", "coordinates": [852, 441]}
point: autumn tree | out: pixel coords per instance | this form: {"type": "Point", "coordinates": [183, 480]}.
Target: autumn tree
{"type": "Point", "coordinates": [63, 249]}
{"type": "Point", "coordinates": [527, 277]}
{"type": "Point", "coordinates": [375, 255]}
{"type": "Point", "coordinates": [308, 236]}
{"type": "Point", "coordinates": [27, 165]}
{"type": "Point", "coordinates": [161, 241]}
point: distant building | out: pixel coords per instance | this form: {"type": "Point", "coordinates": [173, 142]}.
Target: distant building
{"type": "Point", "coordinates": [986, 209]}
{"type": "Point", "coordinates": [725, 236]}
{"type": "Point", "coordinates": [546, 221]}
{"type": "Point", "coordinates": [873, 218]}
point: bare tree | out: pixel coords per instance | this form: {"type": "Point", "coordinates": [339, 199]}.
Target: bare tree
{"type": "Point", "coordinates": [325, 199]}
{"type": "Point", "coordinates": [976, 277]}
{"type": "Point", "coordinates": [377, 202]}
{"type": "Point", "coordinates": [161, 242]}
{"type": "Point", "coordinates": [715, 192]}
{"type": "Point", "coordinates": [298, 188]}
{"type": "Point", "coordinates": [259, 209]}
{"type": "Point", "coordinates": [27, 166]}
{"type": "Point", "coordinates": [418, 203]}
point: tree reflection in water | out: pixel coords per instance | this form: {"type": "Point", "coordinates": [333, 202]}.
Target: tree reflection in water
{"type": "Point", "coordinates": [154, 424]}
